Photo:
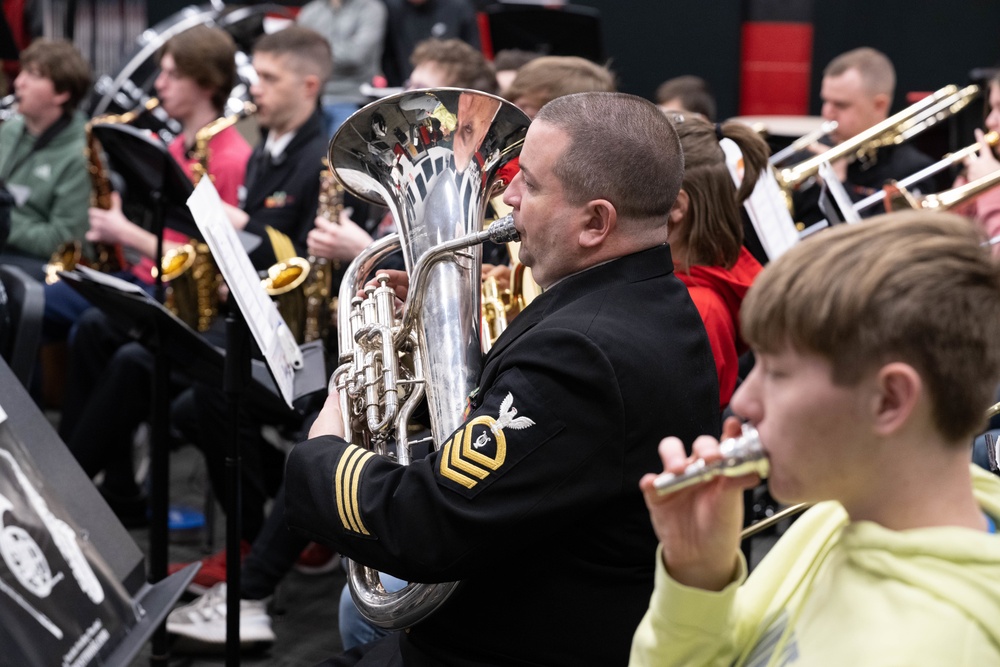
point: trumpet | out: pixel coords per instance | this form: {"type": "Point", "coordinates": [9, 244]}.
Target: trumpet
{"type": "Point", "coordinates": [741, 455]}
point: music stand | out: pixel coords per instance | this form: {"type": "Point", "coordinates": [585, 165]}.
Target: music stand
{"type": "Point", "coordinates": [568, 30]}
{"type": "Point", "coordinates": [170, 338]}
{"type": "Point", "coordinates": [66, 482]}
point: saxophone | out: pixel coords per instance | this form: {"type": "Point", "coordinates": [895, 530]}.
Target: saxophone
{"type": "Point", "coordinates": [320, 311]}
{"type": "Point", "coordinates": [301, 287]}
{"type": "Point", "coordinates": [192, 278]}
{"type": "Point", "coordinates": [108, 257]}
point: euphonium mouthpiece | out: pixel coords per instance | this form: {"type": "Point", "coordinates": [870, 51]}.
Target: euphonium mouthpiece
{"type": "Point", "coordinates": [741, 455]}
{"type": "Point", "coordinates": [502, 230]}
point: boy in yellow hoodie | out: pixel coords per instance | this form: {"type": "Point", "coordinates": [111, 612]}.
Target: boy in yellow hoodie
{"type": "Point", "coordinates": [878, 353]}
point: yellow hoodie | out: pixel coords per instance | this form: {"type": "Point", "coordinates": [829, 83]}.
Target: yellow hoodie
{"type": "Point", "coordinates": [832, 592]}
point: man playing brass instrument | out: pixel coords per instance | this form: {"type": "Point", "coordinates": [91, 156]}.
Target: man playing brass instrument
{"type": "Point", "coordinates": [868, 388]}
{"type": "Point", "coordinates": [533, 502]}
{"type": "Point", "coordinates": [857, 92]}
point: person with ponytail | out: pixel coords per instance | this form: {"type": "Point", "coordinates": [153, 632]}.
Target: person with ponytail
{"type": "Point", "coordinates": [706, 233]}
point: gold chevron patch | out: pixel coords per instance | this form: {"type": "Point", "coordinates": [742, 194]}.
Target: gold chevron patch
{"type": "Point", "coordinates": [347, 485]}
{"type": "Point", "coordinates": [465, 460]}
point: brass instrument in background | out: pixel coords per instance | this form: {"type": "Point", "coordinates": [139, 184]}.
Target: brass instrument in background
{"type": "Point", "coordinates": [302, 287]}
{"type": "Point", "coordinates": [108, 257]}
{"type": "Point", "coordinates": [501, 306]}
{"type": "Point", "coordinates": [191, 276]}
{"type": "Point", "coordinates": [897, 197]}
{"type": "Point", "coordinates": [896, 129]}
{"type": "Point", "coordinates": [437, 196]}
{"type": "Point", "coordinates": [193, 282]}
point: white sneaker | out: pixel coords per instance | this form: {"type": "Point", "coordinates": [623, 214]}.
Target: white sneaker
{"type": "Point", "coordinates": [204, 620]}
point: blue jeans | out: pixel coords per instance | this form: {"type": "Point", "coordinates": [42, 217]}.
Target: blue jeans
{"type": "Point", "coordinates": [355, 628]}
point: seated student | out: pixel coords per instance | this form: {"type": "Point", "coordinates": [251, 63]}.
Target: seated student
{"type": "Point", "coordinates": [544, 79]}
{"type": "Point", "coordinates": [706, 233]}
{"type": "Point", "coordinates": [876, 359]}
{"type": "Point", "coordinates": [283, 192]}
{"type": "Point", "coordinates": [689, 94]}
{"type": "Point", "coordinates": [41, 155]}
{"type": "Point", "coordinates": [197, 73]}
{"type": "Point", "coordinates": [985, 208]}
{"type": "Point", "coordinates": [507, 62]}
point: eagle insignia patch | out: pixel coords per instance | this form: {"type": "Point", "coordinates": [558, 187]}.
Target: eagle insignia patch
{"type": "Point", "coordinates": [480, 446]}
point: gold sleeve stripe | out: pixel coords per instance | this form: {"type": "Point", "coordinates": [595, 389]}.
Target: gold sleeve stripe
{"type": "Point", "coordinates": [446, 454]}
{"type": "Point", "coordinates": [347, 485]}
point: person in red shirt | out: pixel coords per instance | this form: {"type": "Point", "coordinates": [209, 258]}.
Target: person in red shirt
{"type": "Point", "coordinates": [706, 233]}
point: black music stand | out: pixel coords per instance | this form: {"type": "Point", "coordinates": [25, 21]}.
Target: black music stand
{"type": "Point", "coordinates": [170, 338]}
{"type": "Point", "coordinates": [66, 482]}
{"type": "Point", "coordinates": [568, 30]}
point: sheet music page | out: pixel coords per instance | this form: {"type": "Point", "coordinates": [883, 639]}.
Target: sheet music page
{"type": "Point", "coordinates": [261, 314]}
{"type": "Point", "coordinates": [765, 206]}
{"type": "Point", "coordinates": [110, 280]}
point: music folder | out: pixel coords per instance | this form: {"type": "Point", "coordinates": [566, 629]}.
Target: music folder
{"type": "Point", "coordinates": [157, 328]}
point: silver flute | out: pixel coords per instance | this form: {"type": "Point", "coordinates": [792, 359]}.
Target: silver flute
{"type": "Point", "coordinates": [741, 455]}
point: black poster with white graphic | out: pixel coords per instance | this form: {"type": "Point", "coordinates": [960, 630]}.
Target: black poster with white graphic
{"type": "Point", "coordinates": [60, 604]}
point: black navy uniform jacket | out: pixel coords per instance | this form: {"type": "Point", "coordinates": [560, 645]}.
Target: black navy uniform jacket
{"type": "Point", "coordinates": [534, 503]}
{"type": "Point", "coordinates": [284, 192]}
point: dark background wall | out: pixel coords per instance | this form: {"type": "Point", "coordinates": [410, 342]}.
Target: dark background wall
{"type": "Point", "coordinates": [646, 41]}
{"type": "Point", "coordinates": [931, 44]}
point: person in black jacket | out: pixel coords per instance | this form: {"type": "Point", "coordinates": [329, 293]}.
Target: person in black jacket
{"type": "Point", "coordinates": [532, 502]}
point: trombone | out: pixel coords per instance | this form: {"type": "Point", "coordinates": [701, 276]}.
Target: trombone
{"type": "Point", "coordinates": [893, 130]}
{"type": "Point", "coordinates": [948, 161]}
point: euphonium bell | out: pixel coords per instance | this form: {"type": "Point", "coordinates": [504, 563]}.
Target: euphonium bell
{"type": "Point", "coordinates": [432, 157]}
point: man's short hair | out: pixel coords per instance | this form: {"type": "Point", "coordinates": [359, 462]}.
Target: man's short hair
{"type": "Point", "coordinates": [713, 234]}
{"type": "Point", "coordinates": [549, 77]}
{"type": "Point", "coordinates": [621, 148]}
{"type": "Point", "coordinates": [875, 68]}
{"type": "Point", "coordinates": [208, 57]}
{"type": "Point", "coordinates": [913, 286]}
{"type": "Point", "coordinates": [60, 62]}
{"type": "Point", "coordinates": [464, 66]}
{"type": "Point", "coordinates": [310, 52]}
{"type": "Point", "coordinates": [692, 91]}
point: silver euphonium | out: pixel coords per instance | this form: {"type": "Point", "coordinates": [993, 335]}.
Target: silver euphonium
{"type": "Point", "coordinates": [433, 157]}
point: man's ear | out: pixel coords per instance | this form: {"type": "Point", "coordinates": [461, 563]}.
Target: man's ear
{"type": "Point", "coordinates": [881, 103]}
{"type": "Point", "coordinates": [600, 219]}
{"type": "Point", "coordinates": [899, 388]}
{"type": "Point", "coordinates": [311, 82]}
{"type": "Point", "coordinates": [680, 208]}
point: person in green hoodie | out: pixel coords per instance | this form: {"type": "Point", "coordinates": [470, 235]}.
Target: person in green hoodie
{"type": "Point", "coordinates": [877, 357]}
{"type": "Point", "coordinates": [42, 158]}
